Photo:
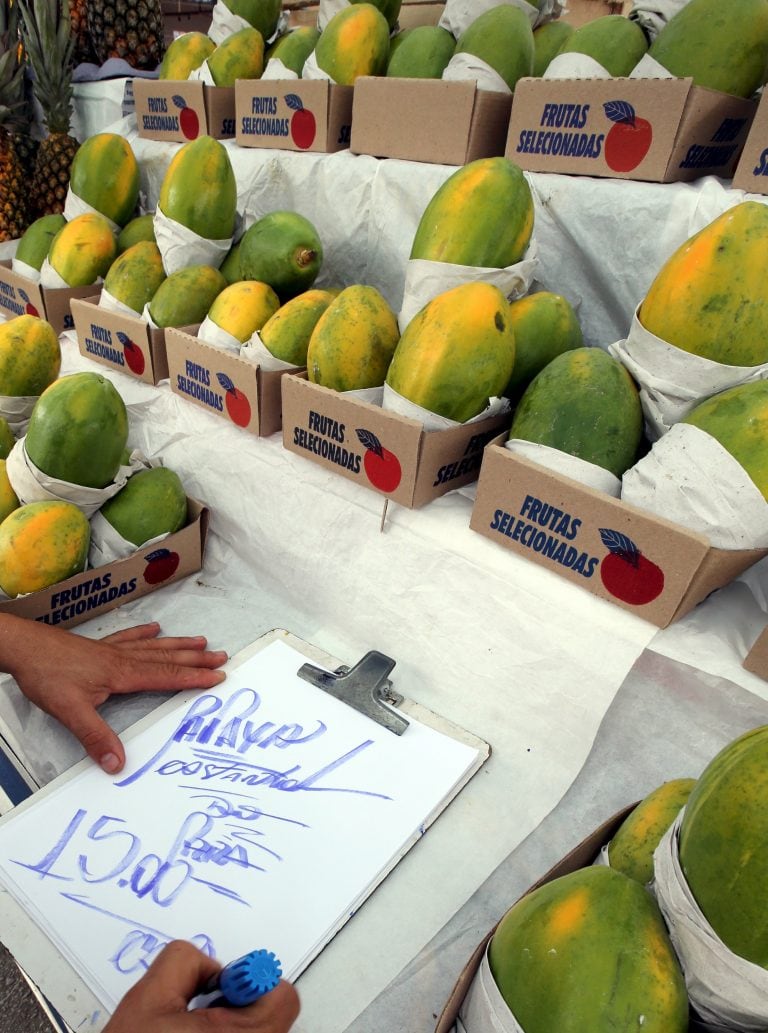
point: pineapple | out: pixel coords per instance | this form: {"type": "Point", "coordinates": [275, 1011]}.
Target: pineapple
{"type": "Point", "coordinates": [78, 16]}
{"type": "Point", "coordinates": [13, 190]}
{"type": "Point", "coordinates": [130, 29]}
{"type": "Point", "coordinates": [49, 45]}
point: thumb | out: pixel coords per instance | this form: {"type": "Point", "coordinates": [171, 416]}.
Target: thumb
{"type": "Point", "coordinates": [99, 741]}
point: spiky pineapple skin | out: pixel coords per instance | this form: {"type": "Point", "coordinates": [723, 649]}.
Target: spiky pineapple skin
{"type": "Point", "coordinates": [14, 217]}
{"type": "Point", "coordinates": [129, 29]}
{"type": "Point", "coordinates": [51, 175]}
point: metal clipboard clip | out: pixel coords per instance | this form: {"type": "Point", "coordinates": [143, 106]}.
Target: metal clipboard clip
{"type": "Point", "coordinates": [366, 687]}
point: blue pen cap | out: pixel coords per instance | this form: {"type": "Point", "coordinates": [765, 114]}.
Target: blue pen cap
{"type": "Point", "coordinates": [243, 981]}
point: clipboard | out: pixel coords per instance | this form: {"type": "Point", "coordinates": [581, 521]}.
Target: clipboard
{"type": "Point", "coordinates": [370, 692]}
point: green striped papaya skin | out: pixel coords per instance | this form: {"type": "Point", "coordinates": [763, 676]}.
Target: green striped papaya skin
{"type": "Point", "coordinates": [286, 334]}
{"type": "Point", "coordinates": [78, 430]}
{"type": "Point", "coordinates": [105, 174]}
{"type": "Point", "coordinates": [9, 500]}
{"type": "Point", "coordinates": [722, 838]}
{"type": "Point", "coordinates": [353, 342]}
{"type": "Point", "coordinates": [589, 951]}
{"type": "Point", "coordinates": [421, 53]}
{"type": "Point", "coordinates": [83, 250]}
{"type": "Point", "coordinates": [294, 47]}
{"type": "Point", "coordinates": [261, 14]}
{"type": "Point", "coordinates": [135, 275]}
{"type": "Point", "coordinates": [584, 403]}
{"type": "Point", "coordinates": [244, 307]}
{"type": "Point", "coordinates": [456, 353]}
{"type": "Point", "coordinates": [631, 849]}
{"type": "Point", "coordinates": [230, 267]}
{"type": "Point", "coordinates": [615, 42]}
{"type": "Point", "coordinates": [284, 250]}
{"type": "Point", "coordinates": [184, 297]}
{"type": "Point", "coordinates": [720, 46]}
{"type": "Point", "coordinates": [239, 56]}
{"type": "Point", "coordinates": [152, 502]}
{"type": "Point", "coordinates": [36, 240]}
{"type": "Point", "coordinates": [709, 297]}
{"type": "Point", "coordinates": [355, 42]}
{"type": "Point", "coordinates": [41, 544]}
{"type": "Point", "coordinates": [184, 54]}
{"type": "Point", "coordinates": [547, 41]}
{"type": "Point", "coordinates": [503, 38]}
{"type": "Point", "coordinates": [140, 228]}
{"type": "Point", "coordinates": [199, 189]}
{"type": "Point", "coordinates": [545, 325]}
{"type": "Point", "coordinates": [738, 419]}
{"type": "Point", "coordinates": [482, 215]}
{"type": "Point", "coordinates": [7, 438]}
{"type": "Point", "coordinates": [30, 356]}
{"type": "Point", "coordinates": [389, 8]}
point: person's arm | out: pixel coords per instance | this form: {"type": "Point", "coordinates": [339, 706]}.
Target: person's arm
{"type": "Point", "coordinates": [158, 1002]}
{"type": "Point", "coordinates": [69, 676]}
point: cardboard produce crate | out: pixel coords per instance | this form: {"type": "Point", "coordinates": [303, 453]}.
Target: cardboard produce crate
{"type": "Point", "coordinates": [21, 296]}
{"type": "Point", "coordinates": [293, 115]}
{"type": "Point", "coordinates": [757, 658]}
{"type": "Point", "coordinates": [178, 112]}
{"type": "Point", "coordinates": [122, 342]}
{"type": "Point", "coordinates": [752, 170]}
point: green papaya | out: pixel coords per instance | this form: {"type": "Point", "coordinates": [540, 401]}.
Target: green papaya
{"type": "Point", "coordinates": [294, 48]}
{"type": "Point", "coordinates": [37, 239]}
{"type": "Point", "coordinates": [284, 250]}
{"type": "Point", "coordinates": [421, 53]}
{"type": "Point", "coordinates": [547, 41]}
{"type": "Point", "coordinates": [503, 38]}
{"type": "Point", "coordinates": [184, 297]}
{"type": "Point", "coordinates": [140, 228]}
{"type": "Point", "coordinates": [615, 42]}
{"type": "Point", "coordinates": [261, 14]}
{"type": "Point", "coordinates": [199, 189]}
{"type": "Point", "coordinates": [152, 502]}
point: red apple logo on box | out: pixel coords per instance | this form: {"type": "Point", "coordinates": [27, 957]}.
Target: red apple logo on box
{"type": "Point", "coordinates": [629, 138]}
{"type": "Point", "coordinates": [134, 356]}
{"type": "Point", "coordinates": [188, 120]}
{"type": "Point", "coordinates": [29, 308]}
{"type": "Point", "coordinates": [382, 467]}
{"type": "Point", "coordinates": [238, 406]}
{"type": "Point", "coordinates": [303, 126]}
{"type": "Point", "coordinates": [161, 565]}
{"type": "Point", "coordinates": [626, 573]}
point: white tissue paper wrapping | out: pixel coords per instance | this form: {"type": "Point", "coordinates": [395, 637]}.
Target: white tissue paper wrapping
{"type": "Point", "coordinates": [728, 992]}
{"type": "Point", "coordinates": [689, 478]}
{"type": "Point", "coordinates": [575, 66]}
{"type": "Point", "coordinates": [212, 333]}
{"type": "Point", "coordinates": [458, 15]}
{"type": "Point", "coordinates": [275, 69]}
{"type": "Point", "coordinates": [25, 270]}
{"type": "Point", "coordinates": [145, 315]}
{"type": "Point", "coordinates": [425, 279]}
{"type": "Point", "coordinates": [602, 859]}
{"type": "Point", "coordinates": [17, 409]}
{"type": "Point", "coordinates": [254, 350]}
{"type": "Point", "coordinates": [112, 304]}
{"type": "Point", "coordinates": [108, 545]}
{"type": "Point", "coordinates": [329, 9]}
{"type": "Point", "coordinates": [203, 73]}
{"type": "Point", "coordinates": [649, 68]}
{"type": "Point", "coordinates": [394, 402]}
{"type": "Point", "coordinates": [484, 1010]}
{"type": "Point", "coordinates": [49, 277]}
{"type": "Point", "coordinates": [181, 247]}
{"type": "Point", "coordinates": [32, 485]}
{"type": "Point", "coordinates": [224, 23]}
{"type": "Point", "coordinates": [465, 67]}
{"type": "Point", "coordinates": [371, 395]}
{"type": "Point", "coordinates": [653, 15]}
{"type": "Point", "coordinates": [74, 206]}
{"type": "Point", "coordinates": [673, 381]}
{"type": "Point", "coordinates": [577, 469]}
{"type": "Point", "coordinates": [312, 70]}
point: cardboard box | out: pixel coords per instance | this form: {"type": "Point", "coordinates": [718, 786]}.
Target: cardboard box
{"type": "Point", "coordinates": [96, 591]}
{"type": "Point", "coordinates": [752, 171]}
{"type": "Point", "coordinates": [20, 295]}
{"type": "Point", "coordinates": [221, 382]}
{"type": "Point", "coordinates": [757, 658]}
{"type": "Point", "coordinates": [582, 856]}
{"type": "Point", "coordinates": [381, 450]}
{"type": "Point", "coordinates": [293, 115]}
{"type": "Point", "coordinates": [181, 111]}
{"type": "Point", "coordinates": [448, 123]}
{"type": "Point", "coordinates": [562, 525]}
{"type": "Point", "coordinates": [122, 342]}
{"type": "Point", "coordinates": [662, 130]}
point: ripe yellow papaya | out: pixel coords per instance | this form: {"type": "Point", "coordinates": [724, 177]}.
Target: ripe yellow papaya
{"type": "Point", "coordinates": [42, 543]}
{"type": "Point", "coordinates": [353, 342]}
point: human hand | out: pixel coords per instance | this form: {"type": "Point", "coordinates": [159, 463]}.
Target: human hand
{"type": "Point", "coordinates": [69, 676]}
{"type": "Point", "coordinates": [158, 1002]}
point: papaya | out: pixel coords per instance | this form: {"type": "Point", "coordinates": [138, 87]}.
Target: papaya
{"type": "Point", "coordinates": [184, 54]}
{"type": "Point", "coordinates": [353, 342]}
{"type": "Point", "coordinates": [738, 419]}
{"type": "Point", "coordinates": [631, 849]}
{"type": "Point", "coordinates": [239, 56]}
{"type": "Point", "coordinates": [284, 250]}
{"type": "Point", "coordinates": [36, 240]}
{"type": "Point", "coordinates": [720, 46]}
{"type": "Point", "coordinates": [8, 497]}
{"type": "Point", "coordinates": [78, 429]}
{"type": "Point", "coordinates": [482, 215]}
{"type": "Point", "coordinates": [354, 42]}
{"type": "Point", "coordinates": [709, 297]}
{"type": "Point", "coordinates": [547, 40]}
{"type": "Point", "coordinates": [286, 334]}
{"type": "Point", "coordinates": [503, 38]}
{"type": "Point", "coordinates": [722, 835]}
{"type": "Point", "coordinates": [456, 353]}
{"type": "Point", "coordinates": [589, 951]}
{"type": "Point", "coordinates": [7, 438]}
{"type": "Point", "coordinates": [41, 544]}
{"type": "Point", "coordinates": [105, 174]}
{"type": "Point", "coordinates": [389, 8]}
{"type": "Point", "coordinates": [83, 250]}
{"type": "Point", "coordinates": [545, 326]}
{"type": "Point", "coordinates": [184, 297]}
{"type": "Point", "coordinates": [140, 228]}
{"type": "Point", "coordinates": [152, 502]}
{"type": "Point", "coordinates": [199, 189]}
{"type": "Point", "coordinates": [230, 267]}
{"type": "Point", "coordinates": [244, 307]}
{"type": "Point", "coordinates": [421, 53]}
{"type": "Point", "coordinates": [584, 403]}
{"type": "Point", "coordinates": [615, 42]}
{"type": "Point", "coordinates": [30, 356]}
{"type": "Point", "coordinates": [135, 275]}
{"type": "Point", "coordinates": [261, 14]}
{"type": "Point", "coordinates": [294, 47]}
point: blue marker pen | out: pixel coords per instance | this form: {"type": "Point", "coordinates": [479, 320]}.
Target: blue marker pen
{"type": "Point", "coordinates": [244, 981]}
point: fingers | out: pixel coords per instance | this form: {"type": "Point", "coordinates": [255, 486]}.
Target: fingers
{"type": "Point", "coordinates": [275, 1012]}
{"type": "Point", "coordinates": [94, 734]}
{"type": "Point", "coordinates": [196, 642]}
{"type": "Point", "coordinates": [163, 651]}
{"type": "Point", "coordinates": [131, 634]}
{"type": "Point", "coordinates": [164, 677]}
{"type": "Point", "coordinates": [176, 975]}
